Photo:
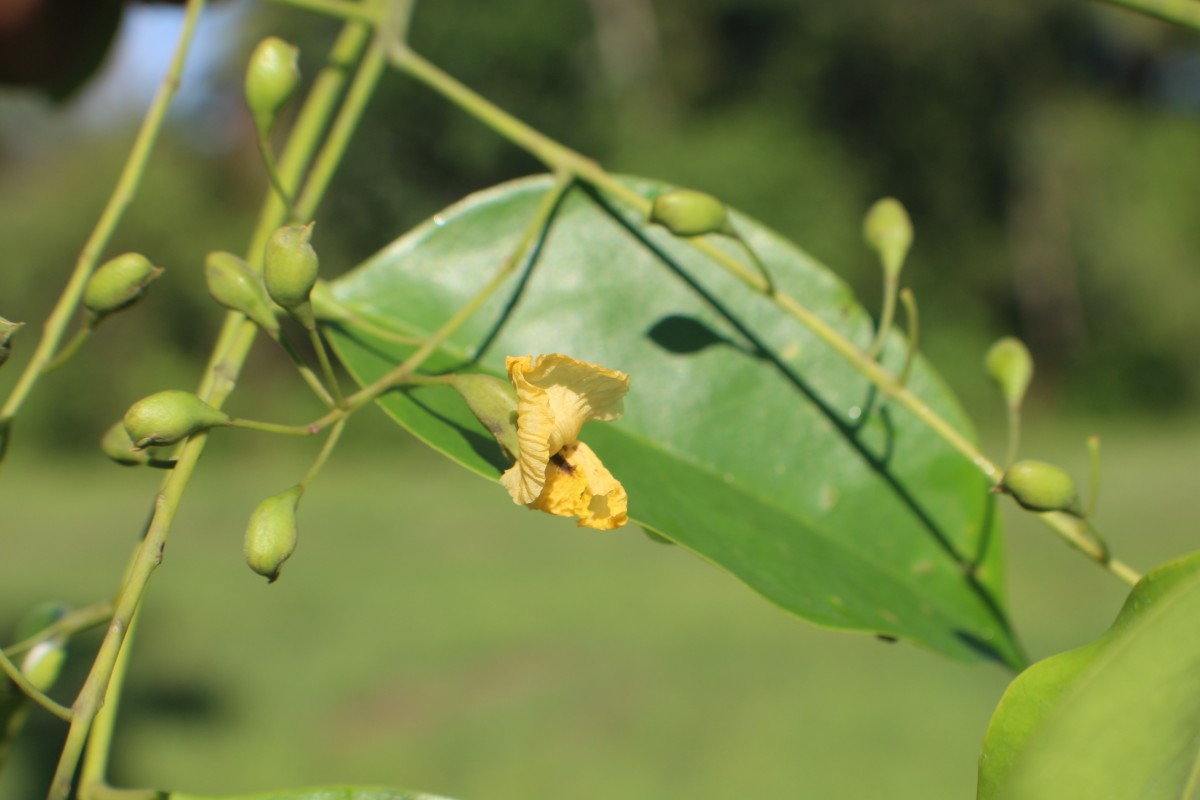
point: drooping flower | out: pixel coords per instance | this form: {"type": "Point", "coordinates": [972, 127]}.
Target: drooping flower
{"type": "Point", "coordinates": [556, 472]}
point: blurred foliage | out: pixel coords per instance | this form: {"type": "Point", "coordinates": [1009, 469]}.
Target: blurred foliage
{"type": "Point", "coordinates": [1046, 153]}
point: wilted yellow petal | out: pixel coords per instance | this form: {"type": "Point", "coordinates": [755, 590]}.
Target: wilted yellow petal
{"type": "Point", "coordinates": [579, 485]}
{"type": "Point", "coordinates": [556, 395]}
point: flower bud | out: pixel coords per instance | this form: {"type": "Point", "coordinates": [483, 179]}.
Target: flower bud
{"type": "Point", "coordinates": [1009, 364]}
{"type": "Point", "coordinates": [686, 212]}
{"type": "Point", "coordinates": [494, 403]}
{"type": "Point", "coordinates": [7, 329]}
{"type": "Point", "coordinates": [271, 79]}
{"type": "Point", "coordinates": [1039, 486]}
{"type": "Point", "coordinates": [167, 417]}
{"type": "Point", "coordinates": [290, 269]}
{"type": "Point", "coordinates": [888, 231]}
{"type": "Point", "coordinates": [271, 533]}
{"type": "Point", "coordinates": [44, 661]}
{"type": "Point", "coordinates": [234, 285]}
{"type": "Point", "coordinates": [116, 444]}
{"type": "Point", "coordinates": [118, 283]}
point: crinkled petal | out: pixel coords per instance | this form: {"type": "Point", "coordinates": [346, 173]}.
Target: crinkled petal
{"type": "Point", "coordinates": [575, 390]}
{"type": "Point", "coordinates": [555, 397]}
{"type": "Point", "coordinates": [579, 485]}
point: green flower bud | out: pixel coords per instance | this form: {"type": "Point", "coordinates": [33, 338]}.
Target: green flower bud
{"type": "Point", "coordinates": [118, 283]}
{"type": "Point", "coordinates": [44, 661]}
{"type": "Point", "coordinates": [1039, 486]}
{"type": "Point", "coordinates": [7, 329]}
{"type": "Point", "coordinates": [888, 231]}
{"type": "Point", "coordinates": [1009, 364]}
{"type": "Point", "coordinates": [290, 269]}
{"type": "Point", "coordinates": [271, 78]}
{"type": "Point", "coordinates": [116, 444]}
{"type": "Point", "coordinates": [494, 403]}
{"type": "Point", "coordinates": [234, 285]}
{"type": "Point", "coordinates": [686, 212]}
{"type": "Point", "coordinates": [271, 533]}
{"type": "Point", "coordinates": [167, 417]}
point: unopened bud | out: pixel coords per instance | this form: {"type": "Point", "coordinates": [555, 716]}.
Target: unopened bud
{"type": "Point", "coordinates": [888, 231]}
{"type": "Point", "coordinates": [118, 283]}
{"type": "Point", "coordinates": [234, 285]}
{"type": "Point", "coordinates": [271, 533]}
{"type": "Point", "coordinates": [271, 78]}
{"type": "Point", "coordinates": [44, 661]}
{"type": "Point", "coordinates": [1009, 364]}
{"type": "Point", "coordinates": [116, 444]}
{"type": "Point", "coordinates": [167, 417]}
{"type": "Point", "coordinates": [7, 329]}
{"type": "Point", "coordinates": [686, 212]}
{"type": "Point", "coordinates": [494, 403]}
{"type": "Point", "coordinates": [1039, 486]}
{"type": "Point", "coordinates": [290, 269]}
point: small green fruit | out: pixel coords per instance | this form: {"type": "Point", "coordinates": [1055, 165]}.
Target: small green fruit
{"type": "Point", "coordinates": [116, 444]}
{"type": "Point", "coordinates": [494, 403]}
{"type": "Point", "coordinates": [290, 269]}
{"type": "Point", "coordinates": [889, 231]}
{"type": "Point", "coordinates": [1039, 486]}
{"type": "Point", "coordinates": [234, 285]}
{"type": "Point", "coordinates": [271, 533]}
{"type": "Point", "coordinates": [271, 78]}
{"type": "Point", "coordinates": [1009, 364]}
{"type": "Point", "coordinates": [118, 283]}
{"type": "Point", "coordinates": [7, 329]}
{"type": "Point", "coordinates": [44, 661]}
{"type": "Point", "coordinates": [686, 212]}
{"type": "Point", "coordinates": [167, 417]}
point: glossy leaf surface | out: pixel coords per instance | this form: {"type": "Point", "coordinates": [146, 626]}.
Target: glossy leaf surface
{"type": "Point", "coordinates": [745, 438]}
{"type": "Point", "coordinates": [1118, 718]}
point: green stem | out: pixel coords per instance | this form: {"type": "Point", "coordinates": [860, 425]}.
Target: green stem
{"type": "Point", "coordinates": [273, 427]}
{"type": "Point", "coordinates": [346, 122]}
{"type": "Point", "coordinates": [35, 694]}
{"type": "Point", "coordinates": [560, 158]}
{"type": "Point", "coordinates": [346, 10]}
{"type": "Point", "coordinates": [229, 354]}
{"type": "Point", "coordinates": [330, 442]}
{"type": "Point", "coordinates": [913, 323]}
{"type": "Point", "coordinates": [1093, 498]}
{"type": "Point", "coordinates": [1185, 13]}
{"type": "Point", "coordinates": [69, 350]}
{"type": "Point", "coordinates": [123, 193]}
{"type": "Point", "coordinates": [890, 288]}
{"type": "Point", "coordinates": [326, 367]}
{"type": "Point", "coordinates": [95, 757]}
{"type": "Point", "coordinates": [79, 620]}
{"type": "Point", "coordinates": [404, 372]}
{"type": "Point", "coordinates": [305, 371]}
{"type": "Point", "coordinates": [1014, 434]}
{"type": "Point", "coordinates": [268, 157]}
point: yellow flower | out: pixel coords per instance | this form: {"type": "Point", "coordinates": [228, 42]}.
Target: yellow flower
{"type": "Point", "coordinates": [556, 472]}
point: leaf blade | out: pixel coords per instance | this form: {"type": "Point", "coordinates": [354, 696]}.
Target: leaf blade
{"type": "Point", "coordinates": [726, 390]}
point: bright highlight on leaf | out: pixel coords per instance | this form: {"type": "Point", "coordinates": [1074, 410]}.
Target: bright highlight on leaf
{"type": "Point", "coordinates": [555, 472]}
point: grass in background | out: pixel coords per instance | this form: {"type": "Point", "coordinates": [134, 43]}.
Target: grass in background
{"type": "Point", "coordinates": [430, 634]}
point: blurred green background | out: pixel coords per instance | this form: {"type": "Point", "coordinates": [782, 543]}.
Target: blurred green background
{"type": "Point", "coordinates": [428, 633]}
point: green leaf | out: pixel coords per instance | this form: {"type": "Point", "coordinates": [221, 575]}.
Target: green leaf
{"type": "Point", "coordinates": [745, 438]}
{"type": "Point", "coordinates": [1117, 718]}
{"type": "Point", "coordinates": [320, 793]}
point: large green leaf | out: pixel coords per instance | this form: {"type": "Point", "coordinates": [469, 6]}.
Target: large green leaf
{"type": "Point", "coordinates": [1118, 718]}
{"type": "Point", "coordinates": [745, 438]}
